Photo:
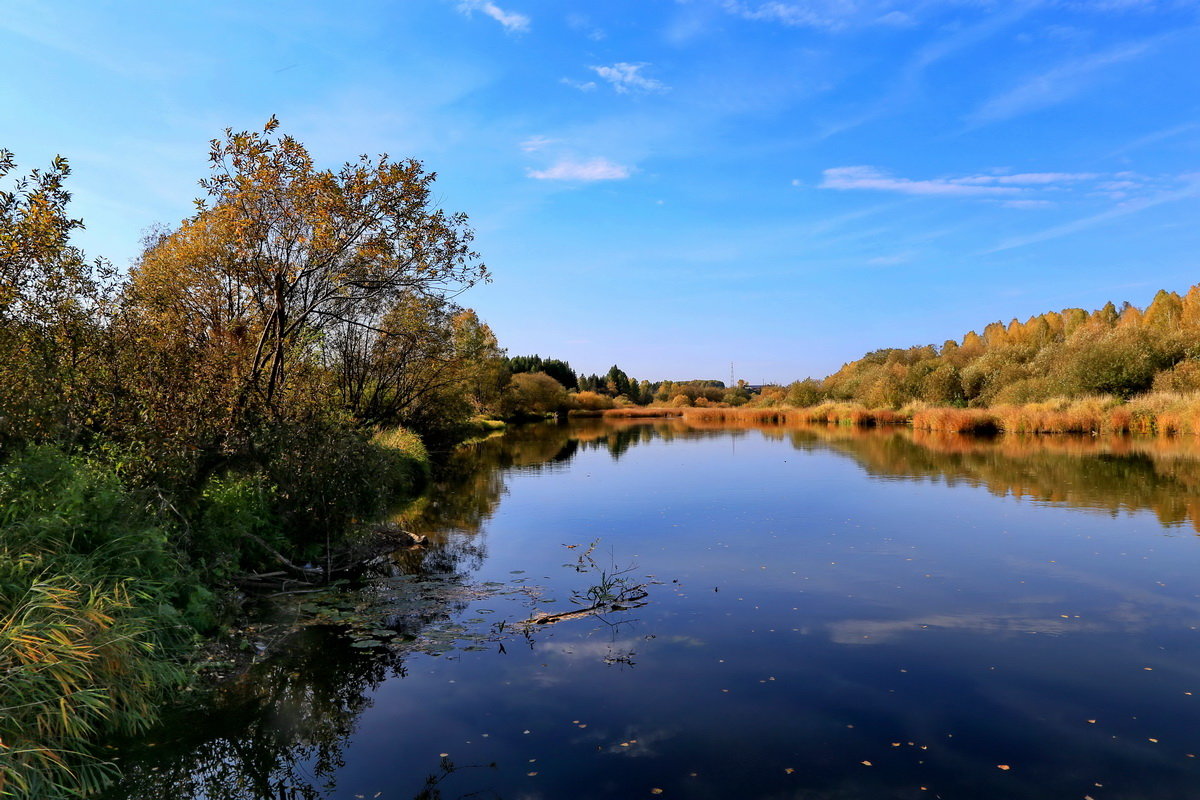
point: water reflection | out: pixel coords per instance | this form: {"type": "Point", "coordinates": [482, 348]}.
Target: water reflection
{"type": "Point", "coordinates": [862, 661]}
{"type": "Point", "coordinates": [1109, 473]}
{"type": "Point", "coordinates": [279, 732]}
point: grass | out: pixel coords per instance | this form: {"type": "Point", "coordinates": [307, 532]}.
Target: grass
{"type": "Point", "coordinates": [827, 413]}
{"type": "Point", "coordinates": [88, 597]}
{"type": "Point", "coordinates": [642, 412]}
{"type": "Point", "coordinates": [1161, 413]}
{"type": "Point", "coordinates": [955, 420]}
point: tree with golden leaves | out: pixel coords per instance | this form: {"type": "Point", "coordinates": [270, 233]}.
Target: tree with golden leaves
{"type": "Point", "coordinates": [280, 252]}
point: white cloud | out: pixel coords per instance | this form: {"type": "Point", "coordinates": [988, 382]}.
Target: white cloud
{"type": "Point", "coordinates": [997, 184]}
{"type": "Point", "coordinates": [865, 177]}
{"type": "Point", "coordinates": [596, 169]}
{"type": "Point", "coordinates": [626, 78]}
{"type": "Point", "coordinates": [580, 85]}
{"type": "Point", "coordinates": [1028, 178]}
{"type": "Point", "coordinates": [511, 20]}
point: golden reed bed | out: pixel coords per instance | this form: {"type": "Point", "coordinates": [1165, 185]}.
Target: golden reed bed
{"type": "Point", "coordinates": [1162, 414]}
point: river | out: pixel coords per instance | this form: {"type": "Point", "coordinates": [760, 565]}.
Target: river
{"type": "Point", "coordinates": [799, 613]}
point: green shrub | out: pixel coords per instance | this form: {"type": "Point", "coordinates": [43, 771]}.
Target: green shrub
{"type": "Point", "coordinates": [326, 475]}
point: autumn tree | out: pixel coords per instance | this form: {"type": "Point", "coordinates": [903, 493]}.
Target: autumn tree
{"type": "Point", "coordinates": [534, 393]}
{"type": "Point", "coordinates": [53, 305]}
{"type": "Point", "coordinates": [280, 253]}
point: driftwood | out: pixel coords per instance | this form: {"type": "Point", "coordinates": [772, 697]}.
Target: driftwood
{"type": "Point", "coordinates": [606, 607]}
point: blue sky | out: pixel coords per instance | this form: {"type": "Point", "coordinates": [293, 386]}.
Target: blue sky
{"type": "Point", "coordinates": [672, 185]}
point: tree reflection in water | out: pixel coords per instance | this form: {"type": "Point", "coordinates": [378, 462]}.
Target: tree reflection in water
{"type": "Point", "coordinates": [279, 732]}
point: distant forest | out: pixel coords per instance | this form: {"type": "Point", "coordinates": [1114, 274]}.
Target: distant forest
{"type": "Point", "coordinates": [1117, 351]}
{"type": "Point", "coordinates": [1071, 353]}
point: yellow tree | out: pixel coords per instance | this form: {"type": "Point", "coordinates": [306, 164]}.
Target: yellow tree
{"type": "Point", "coordinates": [280, 252]}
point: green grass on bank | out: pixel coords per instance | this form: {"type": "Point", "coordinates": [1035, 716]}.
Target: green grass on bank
{"type": "Point", "coordinates": [106, 588]}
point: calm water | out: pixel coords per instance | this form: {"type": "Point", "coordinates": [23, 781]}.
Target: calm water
{"type": "Point", "coordinates": [830, 614]}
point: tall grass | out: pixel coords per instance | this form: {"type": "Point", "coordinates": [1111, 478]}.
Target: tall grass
{"type": "Point", "coordinates": [642, 412]}
{"type": "Point", "coordinates": [1160, 413]}
{"type": "Point", "coordinates": [955, 420]}
{"type": "Point", "coordinates": [828, 413]}
{"type": "Point", "coordinates": [88, 596]}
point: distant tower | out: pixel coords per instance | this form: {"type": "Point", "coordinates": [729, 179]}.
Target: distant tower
{"type": "Point", "coordinates": [730, 374]}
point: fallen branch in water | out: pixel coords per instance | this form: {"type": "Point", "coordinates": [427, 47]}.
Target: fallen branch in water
{"type": "Point", "coordinates": [626, 603]}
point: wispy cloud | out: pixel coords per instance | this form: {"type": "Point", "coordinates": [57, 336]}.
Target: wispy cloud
{"type": "Point", "coordinates": [890, 260]}
{"type": "Point", "coordinates": [985, 185]}
{"type": "Point", "coordinates": [1155, 138]}
{"type": "Point", "coordinates": [626, 78]}
{"type": "Point", "coordinates": [1028, 178]}
{"type": "Point", "coordinates": [511, 20]}
{"type": "Point", "coordinates": [1055, 85]}
{"type": "Point", "coordinates": [864, 177]}
{"type": "Point", "coordinates": [536, 143]}
{"type": "Point", "coordinates": [825, 14]}
{"type": "Point", "coordinates": [807, 15]}
{"type": "Point", "coordinates": [596, 169]}
{"type": "Point", "coordinates": [911, 76]}
{"type": "Point", "coordinates": [583, 86]}
{"type": "Point", "coordinates": [1189, 190]}
{"type": "Point", "coordinates": [583, 24]}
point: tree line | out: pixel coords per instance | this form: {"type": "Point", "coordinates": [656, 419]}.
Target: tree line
{"type": "Point", "coordinates": [1118, 351]}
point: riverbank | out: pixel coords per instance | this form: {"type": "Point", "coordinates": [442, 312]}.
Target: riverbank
{"type": "Point", "coordinates": [1162, 414]}
{"type": "Point", "coordinates": [112, 593]}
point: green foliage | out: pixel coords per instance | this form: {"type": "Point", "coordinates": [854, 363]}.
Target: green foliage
{"type": "Point", "coordinates": [327, 474]}
{"type": "Point", "coordinates": [172, 429]}
{"type": "Point", "coordinates": [559, 370]}
{"type": "Point", "coordinates": [534, 394]}
{"type": "Point", "coordinates": [88, 593]}
{"type": "Point", "coordinates": [232, 509]}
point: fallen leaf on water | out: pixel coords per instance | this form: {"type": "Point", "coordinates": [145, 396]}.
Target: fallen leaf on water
{"type": "Point", "coordinates": [1154, 740]}
{"type": "Point", "coordinates": [656, 791]}
{"type": "Point", "coordinates": [866, 763]}
{"type": "Point", "coordinates": [1004, 766]}
{"type": "Point", "coordinates": [788, 770]}
{"type": "Point", "coordinates": [531, 774]}
{"type": "Point", "coordinates": [1092, 721]}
